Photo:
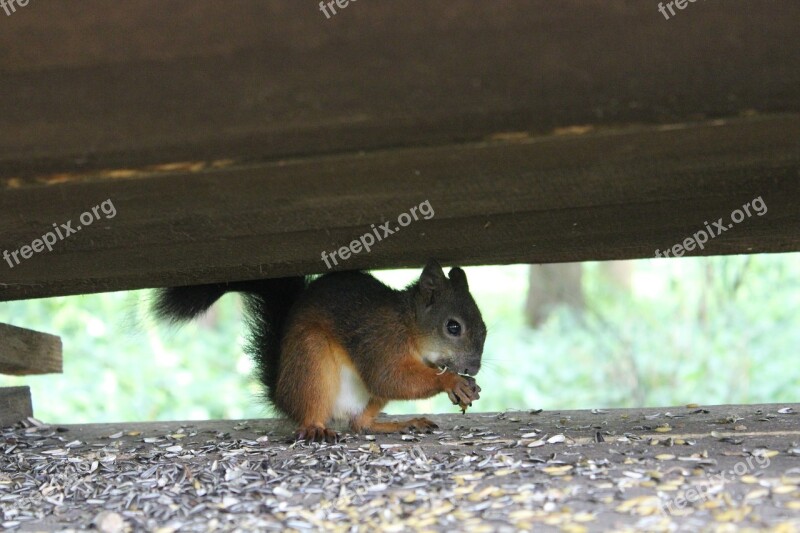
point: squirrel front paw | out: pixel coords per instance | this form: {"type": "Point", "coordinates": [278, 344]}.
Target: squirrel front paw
{"type": "Point", "coordinates": [462, 390]}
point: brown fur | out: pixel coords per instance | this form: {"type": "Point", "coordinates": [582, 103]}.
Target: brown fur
{"type": "Point", "coordinates": [305, 332]}
{"type": "Point", "coordinates": [308, 376]}
{"type": "Point", "coordinates": [312, 359]}
{"type": "Point", "coordinates": [366, 421]}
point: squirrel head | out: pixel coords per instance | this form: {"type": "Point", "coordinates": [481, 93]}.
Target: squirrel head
{"type": "Point", "coordinates": [452, 328]}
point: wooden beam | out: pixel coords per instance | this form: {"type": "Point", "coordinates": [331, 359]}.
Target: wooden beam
{"type": "Point", "coordinates": [592, 195]}
{"type": "Point", "coordinates": [267, 133]}
{"type": "Point", "coordinates": [25, 352]}
{"type": "Point", "coordinates": [96, 84]}
{"type": "Point", "coordinates": [15, 405]}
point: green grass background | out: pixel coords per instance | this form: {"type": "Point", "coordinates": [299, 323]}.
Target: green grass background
{"type": "Point", "coordinates": [701, 330]}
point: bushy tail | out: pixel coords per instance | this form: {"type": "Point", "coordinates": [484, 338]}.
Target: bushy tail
{"type": "Point", "coordinates": [267, 304]}
{"type": "Point", "coordinates": [181, 304]}
{"type": "Point", "coordinates": [267, 308]}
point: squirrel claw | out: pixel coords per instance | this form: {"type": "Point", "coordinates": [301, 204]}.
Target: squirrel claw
{"type": "Point", "coordinates": [465, 391]}
{"type": "Point", "coordinates": [316, 434]}
{"type": "Point", "coordinates": [421, 424]}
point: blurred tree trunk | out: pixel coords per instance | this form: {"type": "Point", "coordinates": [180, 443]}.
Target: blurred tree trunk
{"type": "Point", "coordinates": [619, 274]}
{"type": "Point", "coordinates": [550, 286]}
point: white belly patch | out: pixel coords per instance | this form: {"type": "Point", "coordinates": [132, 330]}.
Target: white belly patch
{"type": "Point", "coordinates": [353, 395]}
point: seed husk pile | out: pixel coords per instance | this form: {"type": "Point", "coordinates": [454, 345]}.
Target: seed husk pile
{"type": "Point", "coordinates": [479, 472]}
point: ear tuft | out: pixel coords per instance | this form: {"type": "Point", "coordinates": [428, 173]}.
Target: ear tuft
{"type": "Point", "coordinates": [431, 280]}
{"type": "Point", "coordinates": [432, 275]}
{"type": "Point", "coordinates": [459, 278]}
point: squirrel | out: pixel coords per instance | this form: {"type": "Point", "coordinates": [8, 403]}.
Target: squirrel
{"type": "Point", "coordinates": [342, 345]}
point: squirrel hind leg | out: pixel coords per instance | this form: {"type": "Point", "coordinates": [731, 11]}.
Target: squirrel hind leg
{"type": "Point", "coordinates": [367, 421]}
{"type": "Point", "coordinates": [308, 381]}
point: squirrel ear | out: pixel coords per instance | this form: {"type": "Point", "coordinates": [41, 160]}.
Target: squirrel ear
{"type": "Point", "coordinates": [431, 280]}
{"type": "Point", "coordinates": [459, 278]}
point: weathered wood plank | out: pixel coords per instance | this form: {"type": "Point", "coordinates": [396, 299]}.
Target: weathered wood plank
{"type": "Point", "coordinates": [261, 89]}
{"type": "Point", "coordinates": [96, 84]}
{"type": "Point", "coordinates": [15, 405]}
{"type": "Point", "coordinates": [607, 194]}
{"type": "Point", "coordinates": [25, 352]}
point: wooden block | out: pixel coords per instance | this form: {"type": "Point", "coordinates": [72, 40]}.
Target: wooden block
{"type": "Point", "coordinates": [256, 80]}
{"type": "Point", "coordinates": [267, 134]}
{"type": "Point", "coordinates": [560, 198]}
{"type": "Point", "coordinates": [24, 352]}
{"type": "Point", "coordinates": [15, 405]}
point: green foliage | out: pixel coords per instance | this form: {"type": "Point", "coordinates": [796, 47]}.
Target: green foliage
{"type": "Point", "coordinates": [703, 330]}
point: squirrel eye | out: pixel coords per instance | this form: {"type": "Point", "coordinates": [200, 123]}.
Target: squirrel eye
{"type": "Point", "coordinates": [453, 328]}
